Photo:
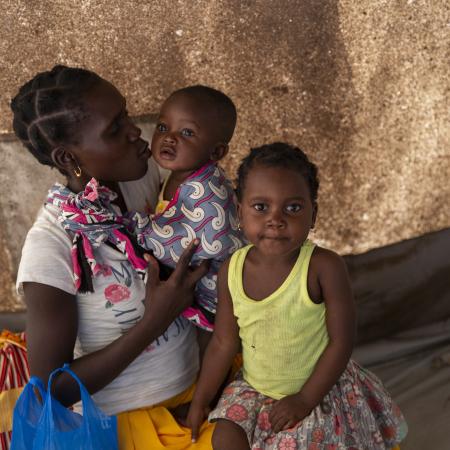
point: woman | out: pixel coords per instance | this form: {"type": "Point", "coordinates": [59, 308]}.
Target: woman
{"type": "Point", "coordinates": [86, 301]}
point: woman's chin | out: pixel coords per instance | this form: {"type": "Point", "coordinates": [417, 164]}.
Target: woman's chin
{"type": "Point", "coordinates": [136, 174]}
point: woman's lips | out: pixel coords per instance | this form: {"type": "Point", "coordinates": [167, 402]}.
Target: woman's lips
{"type": "Point", "coordinates": [145, 151]}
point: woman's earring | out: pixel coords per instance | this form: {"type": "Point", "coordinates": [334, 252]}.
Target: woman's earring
{"type": "Point", "coordinates": [239, 228]}
{"type": "Point", "coordinates": [77, 171]}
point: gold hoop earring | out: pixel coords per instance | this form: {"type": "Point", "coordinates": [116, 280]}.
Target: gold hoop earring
{"type": "Point", "coordinates": [77, 171]}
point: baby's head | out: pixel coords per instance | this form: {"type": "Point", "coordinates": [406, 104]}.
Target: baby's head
{"type": "Point", "coordinates": [277, 192]}
{"type": "Point", "coordinates": [194, 127]}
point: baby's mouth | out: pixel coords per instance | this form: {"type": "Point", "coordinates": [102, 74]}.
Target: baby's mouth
{"type": "Point", "coordinates": [167, 153]}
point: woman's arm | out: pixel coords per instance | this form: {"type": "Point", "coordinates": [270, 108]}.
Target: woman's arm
{"type": "Point", "coordinates": [52, 329]}
{"type": "Point", "coordinates": [336, 291]}
{"type": "Point", "coordinates": [219, 355]}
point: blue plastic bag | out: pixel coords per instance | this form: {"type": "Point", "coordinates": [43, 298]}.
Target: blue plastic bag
{"type": "Point", "coordinates": [27, 412]}
{"type": "Point", "coordinates": [51, 426]}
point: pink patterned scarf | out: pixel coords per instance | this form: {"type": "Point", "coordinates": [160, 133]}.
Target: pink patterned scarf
{"type": "Point", "coordinates": [91, 220]}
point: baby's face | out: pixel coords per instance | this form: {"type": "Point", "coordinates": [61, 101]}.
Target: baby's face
{"type": "Point", "coordinates": [185, 135]}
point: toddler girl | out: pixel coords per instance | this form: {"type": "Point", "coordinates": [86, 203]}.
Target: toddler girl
{"type": "Point", "coordinates": [289, 304]}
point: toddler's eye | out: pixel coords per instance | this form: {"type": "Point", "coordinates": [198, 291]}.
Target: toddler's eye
{"type": "Point", "coordinates": [260, 206]}
{"type": "Point", "coordinates": [187, 132]}
{"type": "Point", "coordinates": [161, 127]}
{"type": "Point", "coordinates": [294, 208]}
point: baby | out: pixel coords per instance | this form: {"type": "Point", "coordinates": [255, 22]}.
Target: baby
{"type": "Point", "coordinates": [192, 134]}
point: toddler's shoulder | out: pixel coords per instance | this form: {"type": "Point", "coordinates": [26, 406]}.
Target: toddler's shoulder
{"type": "Point", "coordinates": [323, 259]}
{"type": "Point", "coordinates": [223, 270]}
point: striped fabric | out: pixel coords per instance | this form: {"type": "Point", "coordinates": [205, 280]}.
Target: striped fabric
{"type": "Point", "coordinates": [14, 375]}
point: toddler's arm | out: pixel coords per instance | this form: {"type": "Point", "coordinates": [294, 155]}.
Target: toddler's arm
{"type": "Point", "coordinates": [329, 270]}
{"type": "Point", "coordinates": [219, 355]}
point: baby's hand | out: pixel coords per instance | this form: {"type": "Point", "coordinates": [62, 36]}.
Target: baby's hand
{"type": "Point", "coordinates": [195, 418]}
{"type": "Point", "coordinates": [287, 412]}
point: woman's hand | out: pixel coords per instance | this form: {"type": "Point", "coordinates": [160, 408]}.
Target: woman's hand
{"type": "Point", "coordinates": [165, 300]}
{"type": "Point", "coordinates": [287, 412]}
{"type": "Point", "coordinates": [196, 416]}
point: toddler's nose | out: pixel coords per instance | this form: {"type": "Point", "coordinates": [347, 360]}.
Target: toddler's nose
{"type": "Point", "coordinates": [275, 219]}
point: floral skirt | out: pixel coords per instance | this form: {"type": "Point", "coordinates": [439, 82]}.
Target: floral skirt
{"type": "Point", "coordinates": [358, 413]}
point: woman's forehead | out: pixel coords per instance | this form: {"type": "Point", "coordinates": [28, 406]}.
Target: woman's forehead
{"type": "Point", "coordinates": [104, 100]}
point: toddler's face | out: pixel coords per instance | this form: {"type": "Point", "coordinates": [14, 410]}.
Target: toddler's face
{"type": "Point", "coordinates": [185, 136]}
{"type": "Point", "coordinates": [276, 211]}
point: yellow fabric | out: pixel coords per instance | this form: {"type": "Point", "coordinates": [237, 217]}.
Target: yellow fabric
{"type": "Point", "coordinates": [7, 402]}
{"type": "Point", "coordinates": [155, 428]}
{"type": "Point", "coordinates": [282, 335]}
{"type": "Point", "coordinates": [162, 204]}
{"type": "Point", "coordinates": [7, 337]}
{"type": "Point", "coordinates": [9, 396]}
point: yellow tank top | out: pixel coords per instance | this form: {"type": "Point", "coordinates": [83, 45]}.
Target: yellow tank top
{"type": "Point", "coordinates": [282, 335]}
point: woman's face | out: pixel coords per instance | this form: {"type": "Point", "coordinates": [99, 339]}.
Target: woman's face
{"type": "Point", "coordinates": [109, 147]}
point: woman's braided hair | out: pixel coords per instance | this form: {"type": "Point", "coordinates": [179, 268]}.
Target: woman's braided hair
{"type": "Point", "coordinates": [48, 107]}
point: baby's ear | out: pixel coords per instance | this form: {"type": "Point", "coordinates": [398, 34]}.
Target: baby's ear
{"type": "Point", "coordinates": [219, 151]}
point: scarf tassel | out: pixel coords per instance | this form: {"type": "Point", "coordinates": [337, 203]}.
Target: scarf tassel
{"type": "Point", "coordinates": [132, 250]}
{"type": "Point", "coordinates": [82, 268]}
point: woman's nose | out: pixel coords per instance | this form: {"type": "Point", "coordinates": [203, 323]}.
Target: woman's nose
{"type": "Point", "coordinates": [135, 132]}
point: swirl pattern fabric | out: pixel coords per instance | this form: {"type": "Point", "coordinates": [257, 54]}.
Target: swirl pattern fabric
{"type": "Point", "coordinates": [203, 207]}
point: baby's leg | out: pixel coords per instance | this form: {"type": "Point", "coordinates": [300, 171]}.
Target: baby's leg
{"type": "Point", "coordinates": [229, 435]}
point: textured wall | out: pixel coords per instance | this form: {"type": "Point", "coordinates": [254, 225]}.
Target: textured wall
{"type": "Point", "coordinates": [362, 86]}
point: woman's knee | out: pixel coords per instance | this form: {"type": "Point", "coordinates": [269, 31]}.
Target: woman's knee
{"type": "Point", "coordinates": [228, 435]}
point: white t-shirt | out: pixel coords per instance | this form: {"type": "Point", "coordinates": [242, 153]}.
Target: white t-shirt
{"type": "Point", "coordinates": [170, 364]}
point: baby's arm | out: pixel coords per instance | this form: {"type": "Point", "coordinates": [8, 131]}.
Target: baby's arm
{"type": "Point", "coordinates": [219, 355]}
{"type": "Point", "coordinates": [328, 271]}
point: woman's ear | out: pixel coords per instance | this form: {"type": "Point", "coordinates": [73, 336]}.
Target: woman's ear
{"type": "Point", "coordinates": [64, 160]}
{"type": "Point", "coordinates": [219, 151]}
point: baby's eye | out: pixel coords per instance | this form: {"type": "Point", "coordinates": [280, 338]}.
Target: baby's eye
{"type": "Point", "coordinates": [187, 132]}
{"type": "Point", "coordinates": [294, 208]}
{"type": "Point", "coordinates": [259, 206]}
{"type": "Point", "coordinates": [161, 127]}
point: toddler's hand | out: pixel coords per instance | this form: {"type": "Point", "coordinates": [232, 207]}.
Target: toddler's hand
{"type": "Point", "coordinates": [196, 416]}
{"type": "Point", "coordinates": [287, 412]}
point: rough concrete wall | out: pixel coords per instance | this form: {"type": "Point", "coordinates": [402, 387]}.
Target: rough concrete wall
{"type": "Point", "coordinates": [24, 185]}
{"type": "Point", "coordinates": [362, 86]}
